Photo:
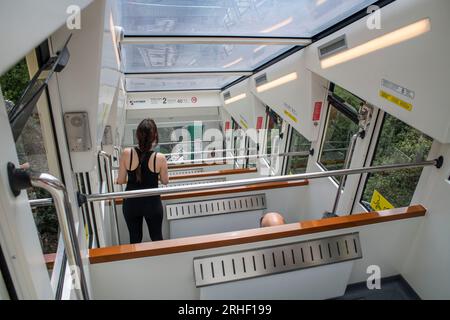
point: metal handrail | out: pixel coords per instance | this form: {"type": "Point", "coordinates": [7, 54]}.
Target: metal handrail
{"type": "Point", "coordinates": [21, 179]}
{"type": "Point", "coordinates": [348, 158]}
{"type": "Point", "coordinates": [238, 183]}
{"type": "Point", "coordinates": [38, 203]}
{"type": "Point", "coordinates": [110, 186]}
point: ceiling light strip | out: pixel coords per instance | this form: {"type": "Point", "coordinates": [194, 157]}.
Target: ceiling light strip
{"type": "Point", "coordinates": [398, 36]}
{"type": "Point", "coordinates": [278, 82]}
{"type": "Point", "coordinates": [236, 98]}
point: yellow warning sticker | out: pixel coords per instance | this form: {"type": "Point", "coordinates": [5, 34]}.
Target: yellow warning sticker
{"type": "Point", "coordinates": [379, 202]}
{"type": "Point", "coordinates": [244, 124]}
{"type": "Point", "coordinates": [290, 115]}
{"type": "Point", "coordinates": [389, 97]}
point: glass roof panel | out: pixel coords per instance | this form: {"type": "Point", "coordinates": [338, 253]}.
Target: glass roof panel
{"type": "Point", "coordinates": [197, 57]}
{"type": "Point", "coordinates": [165, 83]}
{"type": "Point", "coordinates": [269, 18]}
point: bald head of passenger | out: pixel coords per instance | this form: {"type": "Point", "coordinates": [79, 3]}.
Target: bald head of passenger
{"type": "Point", "coordinates": [272, 219]}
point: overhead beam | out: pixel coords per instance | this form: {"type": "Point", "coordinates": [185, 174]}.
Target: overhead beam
{"type": "Point", "coordinates": [289, 41]}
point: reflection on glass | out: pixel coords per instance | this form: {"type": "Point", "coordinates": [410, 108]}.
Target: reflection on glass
{"type": "Point", "coordinates": [339, 130]}
{"type": "Point", "coordinates": [282, 18]}
{"type": "Point", "coordinates": [397, 143]}
{"type": "Point", "coordinates": [197, 57]}
{"type": "Point", "coordinates": [298, 164]}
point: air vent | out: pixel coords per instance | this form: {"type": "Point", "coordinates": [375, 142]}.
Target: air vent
{"type": "Point", "coordinates": [227, 95]}
{"type": "Point", "coordinates": [215, 207]}
{"type": "Point", "coordinates": [247, 264]}
{"type": "Point", "coordinates": [174, 173]}
{"type": "Point", "coordinates": [259, 80]}
{"type": "Point", "coordinates": [192, 183]}
{"type": "Point", "coordinates": [332, 47]}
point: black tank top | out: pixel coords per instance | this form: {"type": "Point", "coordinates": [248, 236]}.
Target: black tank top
{"type": "Point", "coordinates": [149, 179]}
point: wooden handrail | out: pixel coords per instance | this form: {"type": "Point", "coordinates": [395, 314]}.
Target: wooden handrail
{"type": "Point", "coordinates": [216, 192]}
{"type": "Point", "coordinates": [208, 174]}
{"type": "Point", "coordinates": [134, 251]}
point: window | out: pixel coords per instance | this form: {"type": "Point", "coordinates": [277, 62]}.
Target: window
{"type": "Point", "coordinates": [297, 164]}
{"type": "Point", "coordinates": [397, 143]}
{"type": "Point", "coordinates": [341, 125]}
{"type": "Point", "coordinates": [31, 149]}
{"type": "Point", "coordinates": [274, 130]}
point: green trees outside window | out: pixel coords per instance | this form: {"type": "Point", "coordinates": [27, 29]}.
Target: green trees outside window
{"type": "Point", "coordinates": [397, 143]}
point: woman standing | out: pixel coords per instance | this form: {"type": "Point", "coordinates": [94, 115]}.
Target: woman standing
{"type": "Point", "coordinates": [144, 168]}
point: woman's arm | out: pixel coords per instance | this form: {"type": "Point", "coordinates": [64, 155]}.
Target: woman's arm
{"type": "Point", "coordinates": [163, 169]}
{"type": "Point", "coordinates": [122, 177]}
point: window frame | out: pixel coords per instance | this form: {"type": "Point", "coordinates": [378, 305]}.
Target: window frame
{"type": "Point", "coordinates": [332, 102]}
{"type": "Point", "coordinates": [268, 136]}
{"type": "Point", "coordinates": [291, 131]}
{"type": "Point", "coordinates": [370, 158]}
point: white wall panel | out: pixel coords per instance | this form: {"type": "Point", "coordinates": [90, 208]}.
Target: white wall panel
{"type": "Point", "coordinates": [25, 24]}
{"type": "Point", "coordinates": [420, 64]}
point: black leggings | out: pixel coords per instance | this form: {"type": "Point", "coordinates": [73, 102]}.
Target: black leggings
{"type": "Point", "coordinates": [138, 209]}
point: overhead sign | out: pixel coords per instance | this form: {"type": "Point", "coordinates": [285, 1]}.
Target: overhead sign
{"type": "Point", "coordinates": [379, 202]}
{"type": "Point", "coordinates": [410, 94]}
{"type": "Point", "coordinates": [165, 100]}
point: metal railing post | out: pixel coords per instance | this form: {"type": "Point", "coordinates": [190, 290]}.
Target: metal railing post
{"type": "Point", "coordinates": [348, 159]}
{"type": "Point", "coordinates": [110, 186]}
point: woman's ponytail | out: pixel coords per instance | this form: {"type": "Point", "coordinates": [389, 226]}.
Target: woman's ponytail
{"type": "Point", "coordinates": [147, 136]}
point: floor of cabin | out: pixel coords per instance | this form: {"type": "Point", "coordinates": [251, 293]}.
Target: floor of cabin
{"type": "Point", "coordinates": [392, 288]}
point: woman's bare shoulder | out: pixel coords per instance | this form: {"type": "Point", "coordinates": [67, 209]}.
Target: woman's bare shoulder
{"type": "Point", "coordinates": [126, 151]}
{"type": "Point", "coordinates": [160, 156]}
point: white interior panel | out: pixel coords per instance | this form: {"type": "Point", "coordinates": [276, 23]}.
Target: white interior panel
{"type": "Point", "coordinates": [420, 65]}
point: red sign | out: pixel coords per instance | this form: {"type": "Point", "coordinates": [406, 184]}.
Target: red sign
{"type": "Point", "coordinates": [227, 125]}
{"type": "Point", "coordinates": [259, 123]}
{"type": "Point", "coordinates": [194, 99]}
{"type": "Point", "coordinates": [317, 111]}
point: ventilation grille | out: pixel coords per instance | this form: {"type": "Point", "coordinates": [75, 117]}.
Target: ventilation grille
{"type": "Point", "coordinates": [266, 261]}
{"type": "Point", "coordinates": [215, 207]}
{"type": "Point", "coordinates": [332, 47]}
{"type": "Point", "coordinates": [227, 95]}
{"type": "Point", "coordinates": [261, 79]}
{"type": "Point", "coordinates": [184, 172]}
{"type": "Point", "coordinates": [191, 183]}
